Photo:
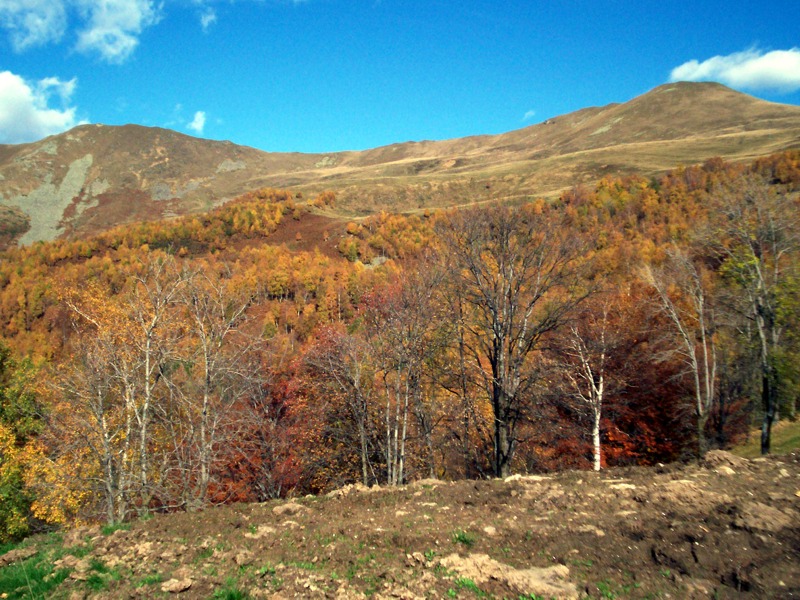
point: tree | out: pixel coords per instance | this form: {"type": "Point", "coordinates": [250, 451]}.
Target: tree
{"type": "Point", "coordinates": [402, 329]}
{"type": "Point", "coordinates": [131, 343]}
{"type": "Point", "coordinates": [756, 238]}
{"type": "Point", "coordinates": [89, 425]}
{"type": "Point", "coordinates": [519, 274]}
{"type": "Point", "coordinates": [218, 360]}
{"type": "Point", "coordinates": [588, 350]}
{"type": "Point", "coordinates": [340, 362]}
{"type": "Point", "coordinates": [682, 297]}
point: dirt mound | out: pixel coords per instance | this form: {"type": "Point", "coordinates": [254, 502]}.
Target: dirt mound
{"type": "Point", "coordinates": [725, 462]}
{"type": "Point", "coordinates": [726, 528]}
{"type": "Point", "coordinates": [481, 569]}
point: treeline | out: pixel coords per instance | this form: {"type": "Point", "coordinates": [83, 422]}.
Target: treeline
{"type": "Point", "coordinates": [173, 365]}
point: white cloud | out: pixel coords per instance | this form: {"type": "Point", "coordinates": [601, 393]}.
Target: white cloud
{"type": "Point", "coordinates": [207, 18]}
{"type": "Point", "coordinates": [113, 26]}
{"type": "Point", "coordinates": [529, 115]}
{"type": "Point", "coordinates": [25, 111]}
{"type": "Point", "coordinates": [198, 123]}
{"type": "Point", "coordinates": [752, 69]}
{"type": "Point", "coordinates": [32, 23]}
{"type": "Point", "coordinates": [110, 28]}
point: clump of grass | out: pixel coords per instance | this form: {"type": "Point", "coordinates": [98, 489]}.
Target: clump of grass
{"type": "Point", "coordinates": [265, 570]}
{"type": "Point", "coordinates": [150, 579]}
{"type": "Point", "coordinates": [112, 527]}
{"type": "Point", "coordinates": [463, 583]}
{"type": "Point", "coordinates": [100, 575]}
{"type": "Point", "coordinates": [230, 591]}
{"type": "Point", "coordinates": [36, 576]}
{"type": "Point", "coordinates": [466, 538]}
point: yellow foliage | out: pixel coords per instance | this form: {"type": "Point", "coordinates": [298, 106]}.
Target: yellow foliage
{"type": "Point", "coordinates": [12, 515]}
{"type": "Point", "coordinates": [56, 483]}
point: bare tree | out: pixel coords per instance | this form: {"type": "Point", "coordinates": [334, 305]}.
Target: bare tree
{"type": "Point", "coordinates": [91, 414]}
{"type": "Point", "coordinates": [154, 335]}
{"type": "Point", "coordinates": [135, 340]}
{"type": "Point", "coordinates": [587, 352]}
{"type": "Point", "coordinates": [402, 326]}
{"type": "Point", "coordinates": [220, 356]}
{"type": "Point", "coordinates": [341, 363]}
{"type": "Point", "coordinates": [519, 275]}
{"type": "Point", "coordinates": [457, 374]}
{"type": "Point", "coordinates": [683, 298]}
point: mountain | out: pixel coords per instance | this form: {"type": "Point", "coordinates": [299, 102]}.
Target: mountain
{"type": "Point", "coordinates": [94, 177]}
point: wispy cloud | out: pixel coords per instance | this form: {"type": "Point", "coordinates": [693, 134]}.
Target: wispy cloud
{"type": "Point", "coordinates": [207, 18]}
{"type": "Point", "coordinates": [529, 115]}
{"type": "Point", "coordinates": [113, 26]}
{"type": "Point", "coordinates": [198, 123]}
{"type": "Point", "coordinates": [751, 69]}
{"type": "Point", "coordinates": [107, 28]}
{"type": "Point", "coordinates": [32, 23]}
{"type": "Point", "coordinates": [26, 114]}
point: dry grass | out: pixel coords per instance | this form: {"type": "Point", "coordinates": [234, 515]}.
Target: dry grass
{"type": "Point", "coordinates": [675, 124]}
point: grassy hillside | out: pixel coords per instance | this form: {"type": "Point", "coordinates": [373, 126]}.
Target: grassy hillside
{"type": "Point", "coordinates": [785, 439]}
{"type": "Point", "coordinates": [95, 177]}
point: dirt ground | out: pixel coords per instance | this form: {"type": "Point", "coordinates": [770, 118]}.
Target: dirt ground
{"type": "Point", "coordinates": [726, 528]}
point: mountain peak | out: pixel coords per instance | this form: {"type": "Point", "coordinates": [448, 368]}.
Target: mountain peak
{"type": "Point", "coordinates": [94, 177]}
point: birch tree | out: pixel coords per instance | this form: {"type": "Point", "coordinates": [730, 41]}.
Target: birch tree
{"type": "Point", "coordinates": [220, 354]}
{"type": "Point", "coordinates": [133, 341]}
{"type": "Point", "coordinates": [588, 349]}
{"type": "Point", "coordinates": [682, 296]}
{"type": "Point", "coordinates": [402, 327]}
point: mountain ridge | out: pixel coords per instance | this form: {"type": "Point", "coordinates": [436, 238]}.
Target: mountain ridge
{"type": "Point", "coordinates": [94, 177]}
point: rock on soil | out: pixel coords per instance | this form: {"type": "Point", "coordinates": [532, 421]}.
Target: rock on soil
{"type": "Point", "coordinates": [550, 582]}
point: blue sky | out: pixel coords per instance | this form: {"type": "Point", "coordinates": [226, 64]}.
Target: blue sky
{"type": "Point", "coordinates": [328, 75]}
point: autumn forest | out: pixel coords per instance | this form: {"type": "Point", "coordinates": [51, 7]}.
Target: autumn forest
{"type": "Point", "coordinates": [183, 363]}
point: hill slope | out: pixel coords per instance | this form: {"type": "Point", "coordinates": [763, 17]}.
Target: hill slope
{"type": "Point", "coordinates": [727, 528]}
{"type": "Point", "coordinates": [94, 177]}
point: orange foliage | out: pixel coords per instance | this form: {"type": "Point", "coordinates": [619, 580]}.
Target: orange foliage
{"type": "Point", "coordinates": [292, 434]}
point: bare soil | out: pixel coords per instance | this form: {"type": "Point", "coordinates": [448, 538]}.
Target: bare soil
{"type": "Point", "coordinates": [725, 528]}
